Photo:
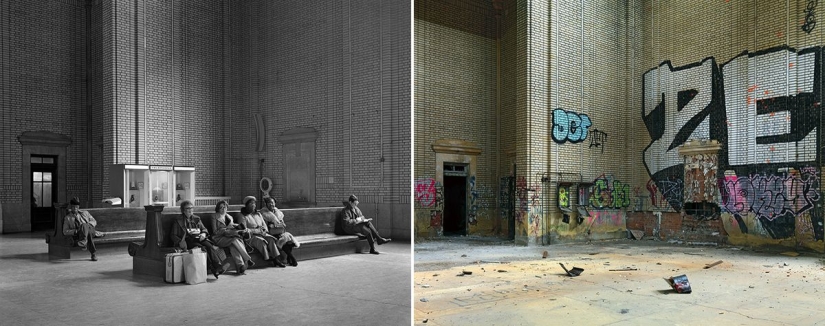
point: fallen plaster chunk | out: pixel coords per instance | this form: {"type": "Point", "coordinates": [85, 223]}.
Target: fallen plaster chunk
{"type": "Point", "coordinates": [713, 264]}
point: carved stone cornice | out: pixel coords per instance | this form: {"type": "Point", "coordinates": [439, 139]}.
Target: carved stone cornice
{"type": "Point", "coordinates": [456, 146]}
{"type": "Point", "coordinates": [44, 138]}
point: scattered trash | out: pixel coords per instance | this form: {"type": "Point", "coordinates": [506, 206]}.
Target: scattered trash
{"type": "Point", "coordinates": [637, 234]}
{"type": "Point", "coordinates": [790, 253]}
{"type": "Point", "coordinates": [750, 286]}
{"type": "Point", "coordinates": [679, 283]}
{"type": "Point", "coordinates": [502, 271]}
{"type": "Point", "coordinates": [494, 262]}
{"type": "Point", "coordinates": [467, 272]}
{"type": "Point", "coordinates": [624, 311]}
{"type": "Point", "coordinates": [544, 254]}
{"type": "Point", "coordinates": [658, 263]}
{"type": "Point", "coordinates": [424, 300]}
{"type": "Point", "coordinates": [626, 269]}
{"type": "Point", "coordinates": [425, 286]}
{"type": "Point", "coordinates": [425, 320]}
{"type": "Point", "coordinates": [463, 255]}
{"type": "Point", "coordinates": [575, 271]}
{"type": "Point", "coordinates": [713, 264]}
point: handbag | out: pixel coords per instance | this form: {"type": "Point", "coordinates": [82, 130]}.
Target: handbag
{"type": "Point", "coordinates": [194, 266]}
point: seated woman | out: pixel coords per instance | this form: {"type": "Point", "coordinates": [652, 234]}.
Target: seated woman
{"type": "Point", "coordinates": [274, 219]}
{"type": "Point", "coordinates": [225, 233]}
{"type": "Point", "coordinates": [188, 232]}
{"type": "Point", "coordinates": [260, 238]}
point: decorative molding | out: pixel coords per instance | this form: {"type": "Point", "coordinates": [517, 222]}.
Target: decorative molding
{"type": "Point", "coordinates": [44, 138]}
{"type": "Point", "coordinates": [298, 135]}
{"type": "Point", "coordinates": [456, 146]}
{"type": "Point", "coordinates": [700, 146]}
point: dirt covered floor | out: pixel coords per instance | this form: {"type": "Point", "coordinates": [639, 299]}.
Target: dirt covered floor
{"type": "Point", "coordinates": [483, 281]}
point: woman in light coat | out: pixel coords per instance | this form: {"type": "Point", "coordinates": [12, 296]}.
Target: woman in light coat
{"type": "Point", "coordinates": [228, 234]}
{"type": "Point", "coordinates": [274, 219]}
{"type": "Point", "coordinates": [260, 238]}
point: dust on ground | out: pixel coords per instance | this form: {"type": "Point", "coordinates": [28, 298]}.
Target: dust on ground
{"type": "Point", "coordinates": [490, 281]}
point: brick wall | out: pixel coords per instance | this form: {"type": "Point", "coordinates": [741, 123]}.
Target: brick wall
{"type": "Point", "coordinates": [177, 83]}
{"type": "Point", "coordinates": [42, 68]}
{"type": "Point", "coordinates": [455, 97]}
{"type": "Point", "coordinates": [341, 68]}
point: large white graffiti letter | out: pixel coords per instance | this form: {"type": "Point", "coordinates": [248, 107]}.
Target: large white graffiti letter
{"type": "Point", "coordinates": [771, 110]}
{"type": "Point", "coordinates": [677, 103]}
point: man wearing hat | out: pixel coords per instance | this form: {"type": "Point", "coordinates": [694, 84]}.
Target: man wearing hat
{"type": "Point", "coordinates": [81, 226]}
{"type": "Point", "coordinates": [355, 223]}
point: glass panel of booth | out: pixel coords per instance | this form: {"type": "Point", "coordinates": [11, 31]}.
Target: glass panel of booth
{"type": "Point", "coordinates": [184, 181]}
{"type": "Point", "coordinates": [128, 182]}
{"type": "Point", "coordinates": [160, 179]}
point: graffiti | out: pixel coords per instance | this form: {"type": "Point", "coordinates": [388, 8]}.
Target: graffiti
{"type": "Point", "coordinates": [522, 208]}
{"type": "Point", "coordinates": [564, 196]}
{"type": "Point", "coordinates": [597, 139]}
{"type": "Point", "coordinates": [607, 193]}
{"type": "Point", "coordinates": [771, 196]}
{"type": "Point", "coordinates": [569, 126]}
{"type": "Point", "coordinates": [536, 211]}
{"type": "Point", "coordinates": [810, 18]}
{"type": "Point", "coordinates": [435, 219]}
{"type": "Point", "coordinates": [606, 219]}
{"type": "Point", "coordinates": [425, 192]}
{"type": "Point", "coordinates": [504, 200]}
{"type": "Point", "coordinates": [473, 214]}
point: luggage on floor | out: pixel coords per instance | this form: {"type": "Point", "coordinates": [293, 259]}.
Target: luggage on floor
{"type": "Point", "coordinates": [174, 268]}
{"type": "Point", "coordinates": [194, 266]}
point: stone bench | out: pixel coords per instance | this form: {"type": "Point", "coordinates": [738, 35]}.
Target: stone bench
{"type": "Point", "coordinates": [120, 225]}
{"type": "Point", "coordinates": [314, 228]}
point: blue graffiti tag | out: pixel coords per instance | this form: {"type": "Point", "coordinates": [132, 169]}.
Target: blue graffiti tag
{"type": "Point", "coordinates": [569, 126]}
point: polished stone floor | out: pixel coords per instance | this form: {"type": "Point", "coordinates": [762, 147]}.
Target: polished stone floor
{"type": "Point", "coordinates": [356, 289]}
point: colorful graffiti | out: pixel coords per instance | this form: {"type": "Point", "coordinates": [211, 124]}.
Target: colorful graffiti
{"type": "Point", "coordinates": [771, 196]}
{"type": "Point", "coordinates": [601, 219]}
{"type": "Point", "coordinates": [564, 196]}
{"type": "Point", "coordinates": [606, 193]}
{"type": "Point", "coordinates": [425, 192]}
{"type": "Point", "coordinates": [764, 124]}
{"type": "Point", "coordinates": [569, 126]}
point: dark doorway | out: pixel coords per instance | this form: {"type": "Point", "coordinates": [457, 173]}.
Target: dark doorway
{"type": "Point", "coordinates": [455, 205]}
{"type": "Point", "coordinates": [44, 190]}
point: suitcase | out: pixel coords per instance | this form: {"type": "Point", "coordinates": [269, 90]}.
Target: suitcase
{"type": "Point", "coordinates": [174, 268]}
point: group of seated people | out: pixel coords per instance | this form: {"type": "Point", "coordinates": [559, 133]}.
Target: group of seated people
{"type": "Point", "coordinates": [261, 230]}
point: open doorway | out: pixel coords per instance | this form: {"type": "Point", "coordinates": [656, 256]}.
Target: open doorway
{"type": "Point", "coordinates": [455, 199]}
{"type": "Point", "coordinates": [44, 187]}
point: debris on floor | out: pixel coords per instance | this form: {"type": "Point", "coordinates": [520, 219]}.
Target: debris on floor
{"type": "Point", "coordinates": [502, 271]}
{"type": "Point", "coordinates": [624, 311]}
{"type": "Point", "coordinates": [575, 271]}
{"type": "Point", "coordinates": [713, 264]}
{"type": "Point", "coordinates": [544, 254]}
{"type": "Point", "coordinates": [463, 255]}
{"type": "Point", "coordinates": [467, 272]}
{"type": "Point", "coordinates": [790, 253]}
{"type": "Point", "coordinates": [626, 269]}
{"type": "Point", "coordinates": [679, 283]}
{"type": "Point", "coordinates": [637, 234]}
{"type": "Point", "coordinates": [424, 300]}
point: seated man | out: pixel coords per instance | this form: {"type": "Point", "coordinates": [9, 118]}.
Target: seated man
{"type": "Point", "coordinates": [81, 225]}
{"type": "Point", "coordinates": [355, 223]}
{"type": "Point", "coordinates": [188, 232]}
